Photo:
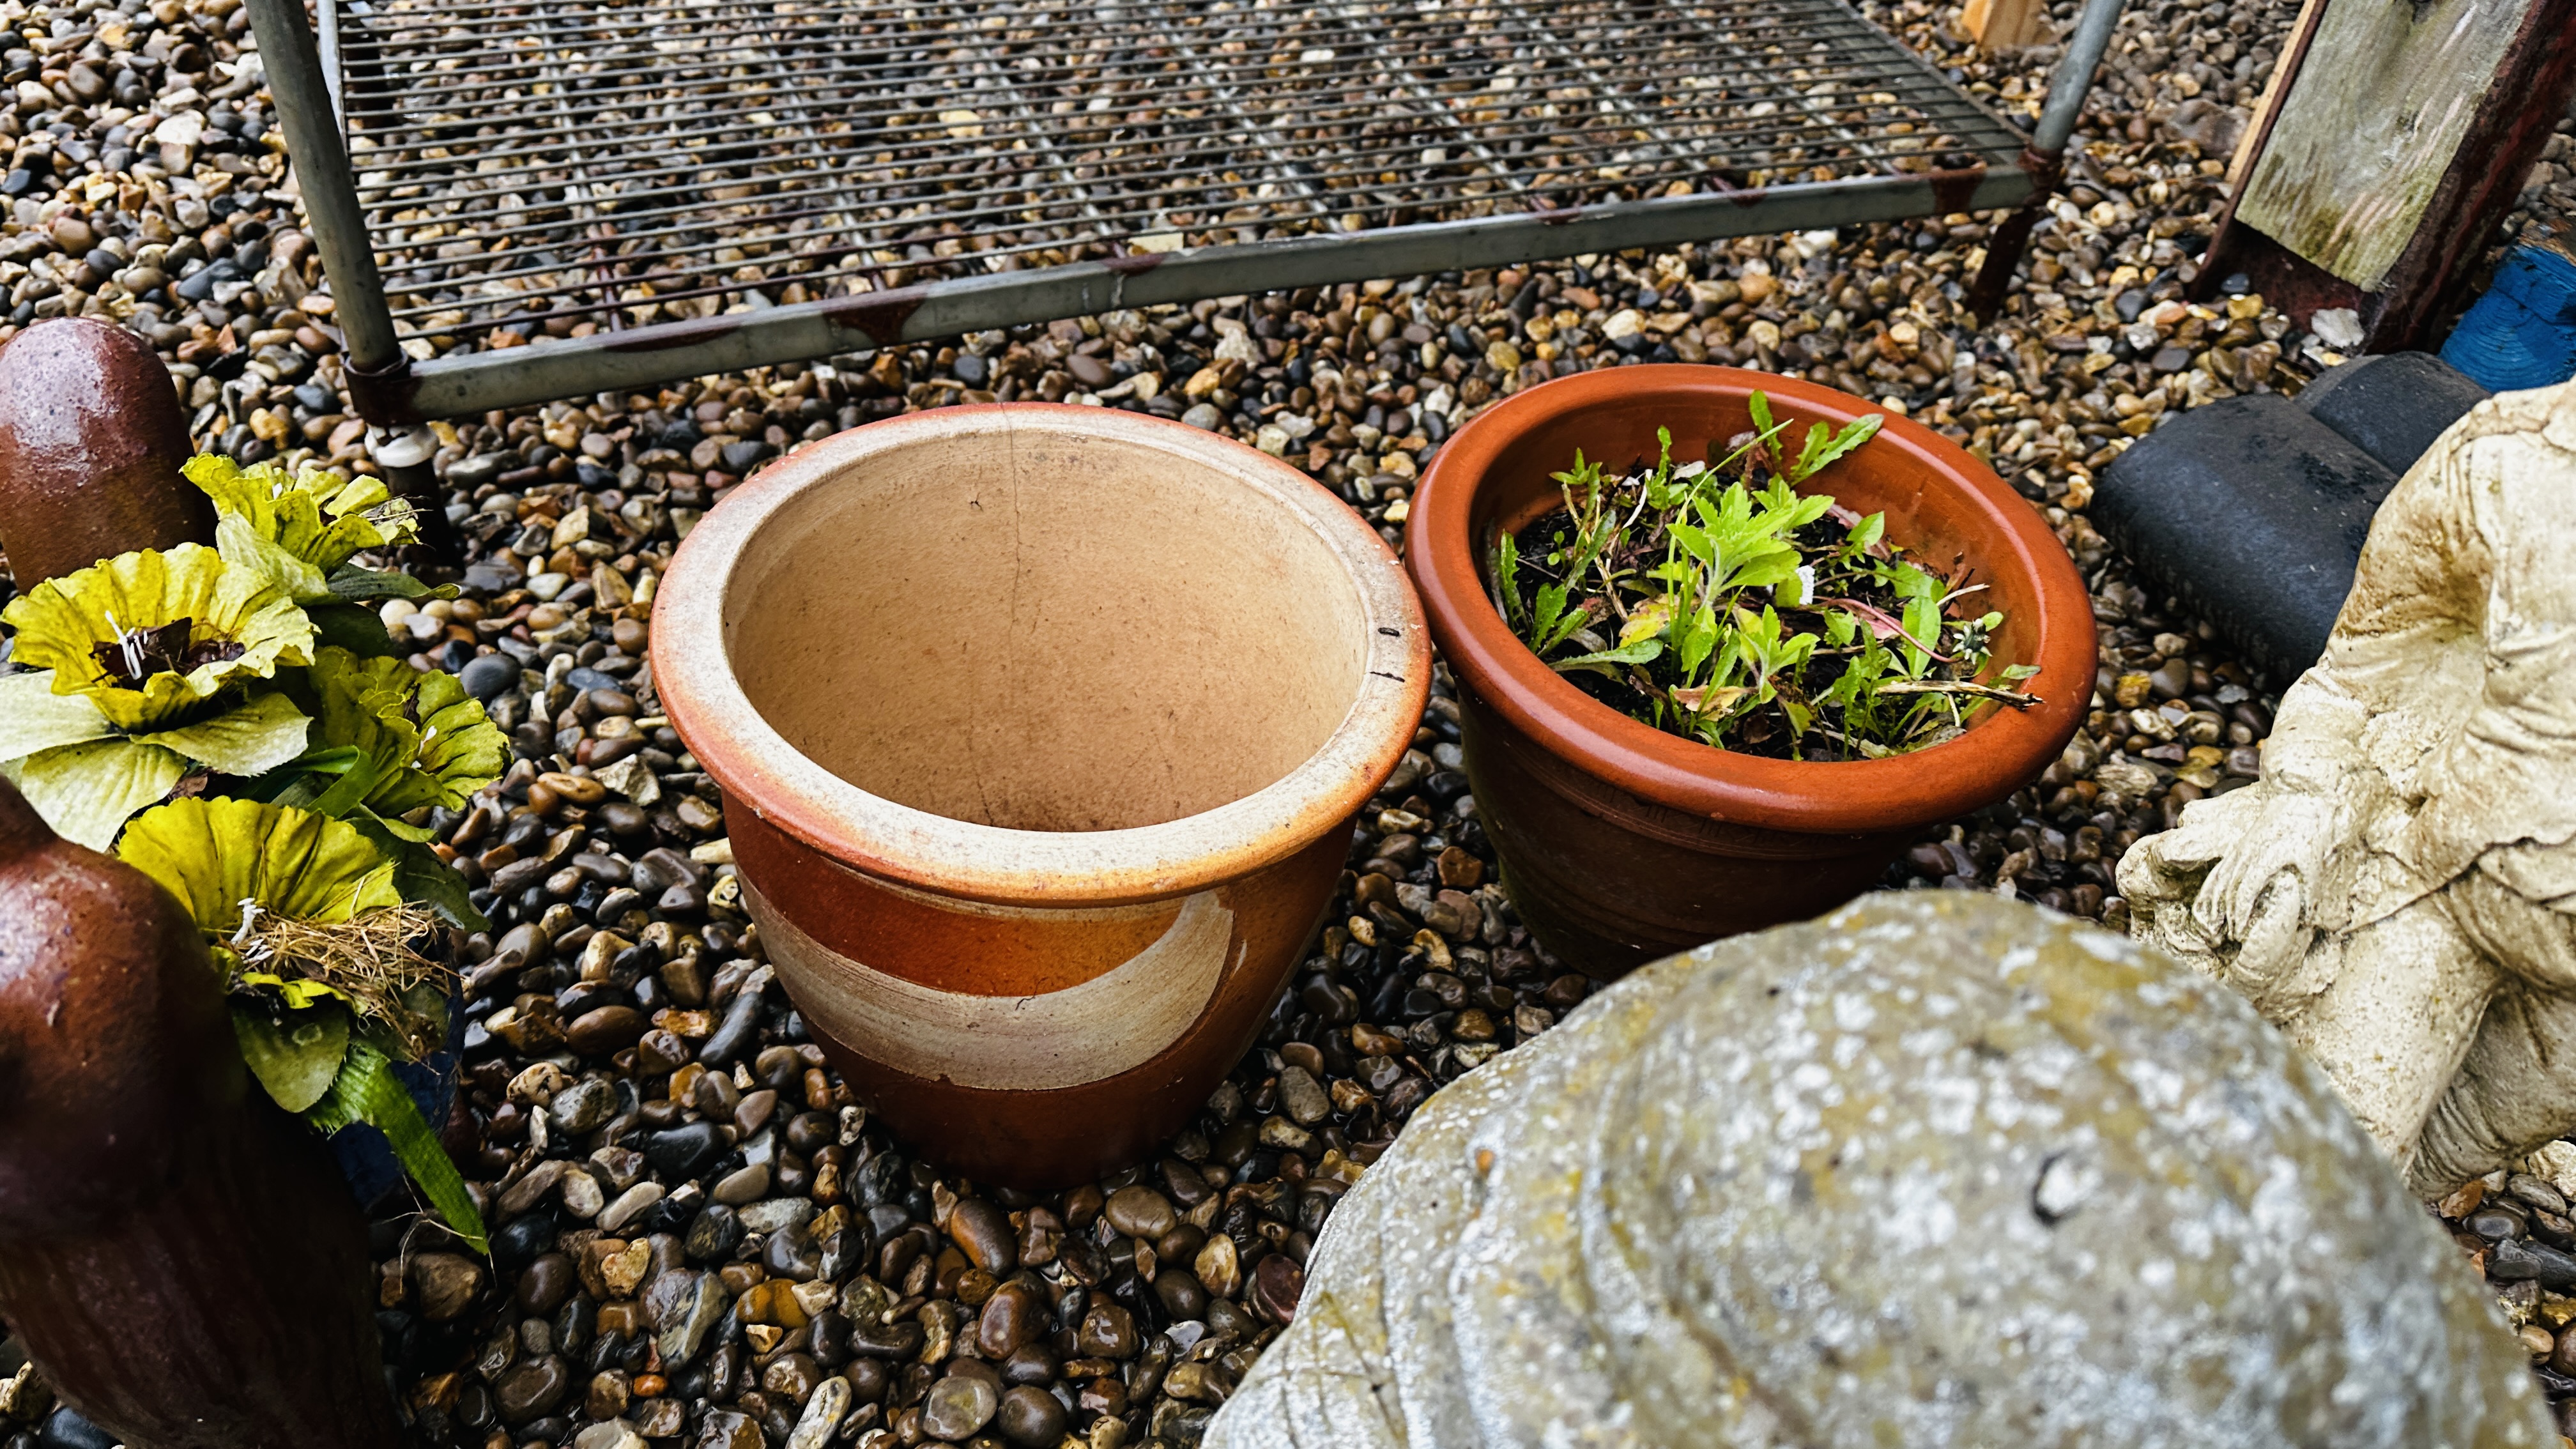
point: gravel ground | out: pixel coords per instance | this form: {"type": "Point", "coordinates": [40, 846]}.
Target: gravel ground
{"type": "Point", "coordinates": [699, 1236]}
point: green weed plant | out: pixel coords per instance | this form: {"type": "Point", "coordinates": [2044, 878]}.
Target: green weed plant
{"type": "Point", "coordinates": [1718, 602]}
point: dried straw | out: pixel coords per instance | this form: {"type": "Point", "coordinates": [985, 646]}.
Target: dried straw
{"type": "Point", "coordinates": [368, 958]}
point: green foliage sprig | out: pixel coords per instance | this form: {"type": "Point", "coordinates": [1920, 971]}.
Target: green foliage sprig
{"type": "Point", "coordinates": [235, 722]}
{"type": "Point", "coordinates": [1705, 590]}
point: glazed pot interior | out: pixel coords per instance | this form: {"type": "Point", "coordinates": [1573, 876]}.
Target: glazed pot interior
{"type": "Point", "coordinates": [1046, 631]}
{"type": "Point", "coordinates": [1936, 526]}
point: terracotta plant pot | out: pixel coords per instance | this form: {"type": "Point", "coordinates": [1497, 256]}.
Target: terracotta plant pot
{"type": "Point", "coordinates": [1621, 843]}
{"type": "Point", "coordinates": [1040, 729]}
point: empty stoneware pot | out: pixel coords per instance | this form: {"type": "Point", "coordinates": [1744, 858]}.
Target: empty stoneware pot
{"type": "Point", "coordinates": [1621, 843]}
{"type": "Point", "coordinates": [1041, 730]}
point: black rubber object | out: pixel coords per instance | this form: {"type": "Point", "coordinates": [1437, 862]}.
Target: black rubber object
{"type": "Point", "coordinates": [2392, 407]}
{"type": "Point", "coordinates": [2253, 514]}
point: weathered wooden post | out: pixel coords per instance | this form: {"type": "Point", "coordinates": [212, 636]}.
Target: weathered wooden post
{"type": "Point", "coordinates": [2392, 140]}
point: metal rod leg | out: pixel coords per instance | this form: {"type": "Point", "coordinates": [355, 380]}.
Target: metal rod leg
{"type": "Point", "coordinates": [377, 368]}
{"type": "Point", "coordinates": [404, 455]}
{"type": "Point", "coordinates": [2046, 156]}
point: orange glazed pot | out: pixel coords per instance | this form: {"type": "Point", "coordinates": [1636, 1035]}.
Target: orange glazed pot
{"type": "Point", "coordinates": [1041, 730]}
{"type": "Point", "coordinates": [1621, 843]}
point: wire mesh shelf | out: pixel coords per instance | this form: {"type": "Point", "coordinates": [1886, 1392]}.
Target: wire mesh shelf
{"type": "Point", "coordinates": [652, 189]}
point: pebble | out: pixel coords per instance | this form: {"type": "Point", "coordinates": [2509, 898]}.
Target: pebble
{"type": "Point", "coordinates": [532, 1389]}
{"type": "Point", "coordinates": [609, 1434]}
{"type": "Point", "coordinates": [487, 676]}
{"type": "Point", "coordinates": [444, 1285]}
{"type": "Point", "coordinates": [957, 1406]}
{"type": "Point", "coordinates": [1140, 1212]}
{"type": "Point", "coordinates": [984, 1232]}
{"type": "Point", "coordinates": [685, 1152]}
{"type": "Point", "coordinates": [629, 1205]}
{"type": "Point", "coordinates": [1030, 1417]}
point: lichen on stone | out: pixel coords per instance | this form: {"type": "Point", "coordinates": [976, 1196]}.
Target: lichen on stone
{"type": "Point", "coordinates": [1935, 1170]}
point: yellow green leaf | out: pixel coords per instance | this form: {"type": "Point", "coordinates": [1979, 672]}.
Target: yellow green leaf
{"type": "Point", "coordinates": [33, 717]}
{"type": "Point", "coordinates": [87, 791]}
{"type": "Point", "coordinates": [243, 547]}
{"type": "Point", "coordinates": [252, 740]}
{"type": "Point", "coordinates": [215, 854]}
{"type": "Point", "coordinates": [366, 1090]}
{"type": "Point", "coordinates": [1649, 619]}
{"type": "Point", "coordinates": [295, 1054]}
{"type": "Point", "coordinates": [239, 628]}
{"type": "Point", "coordinates": [429, 742]}
{"type": "Point", "coordinates": [313, 515]}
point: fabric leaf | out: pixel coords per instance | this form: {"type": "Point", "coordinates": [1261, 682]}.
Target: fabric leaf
{"type": "Point", "coordinates": [352, 584]}
{"type": "Point", "coordinates": [313, 514]}
{"type": "Point", "coordinates": [251, 740]}
{"type": "Point", "coordinates": [296, 1058]}
{"type": "Point", "coordinates": [33, 717]}
{"type": "Point", "coordinates": [244, 547]}
{"type": "Point", "coordinates": [429, 742]}
{"type": "Point", "coordinates": [421, 876]}
{"type": "Point", "coordinates": [86, 792]}
{"type": "Point", "coordinates": [366, 1090]}
{"type": "Point", "coordinates": [353, 627]}
{"type": "Point", "coordinates": [215, 854]}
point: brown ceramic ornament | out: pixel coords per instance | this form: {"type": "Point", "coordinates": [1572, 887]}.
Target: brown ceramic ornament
{"type": "Point", "coordinates": [1041, 729]}
{"type": "Point", "coordinates": [91, 442]}
{"type": "Point", "coordinates": [180, 1256]}
{"type": "Point", "coordinates": [1621, 843]}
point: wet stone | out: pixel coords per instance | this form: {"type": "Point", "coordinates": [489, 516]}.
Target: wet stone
{"type": "Point", "coordinates": [1141, 1212]}
{"type": "Point", "coordinates": [584, 1106]}
{"type": "Point", "coordinates": [1303, 1096]}
{"type": "Point", "coordinates": [741, 1186]}
{"type": "Point", "coordinates": [713, 1235]}
{"type": "Point", "coordinates": [607, 1029]}
{"type": "Point", "coordinates": [1030, 1417]}
{"type": "Point", "coordinates": [444, 1284]}
{"type": "Point", "coordinates": [545, 1283]}
{"type": "Point", "coordinates": [1107, 1331]}
{"type": "Point", "coordinates": [958, 1406]}
{"type": "Point", "coordinates": [984, 1232]}
{"type": "Point", "coordinates": [731, 1429]}
{"type": "Point", "coordinates": [685, 1152]}
{"type": "Point", "coordinates": [532, 1390]}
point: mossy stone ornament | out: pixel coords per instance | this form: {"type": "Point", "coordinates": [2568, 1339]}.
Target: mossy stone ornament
{"type": "Point", "coordinates": [1936, 1170]}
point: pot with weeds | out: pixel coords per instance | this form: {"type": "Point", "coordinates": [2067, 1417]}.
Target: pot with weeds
{"type": "Point", "coordinates": [1727, 641]}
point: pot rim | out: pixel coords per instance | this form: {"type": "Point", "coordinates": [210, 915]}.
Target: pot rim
{"type": "Point", "coordinates": [762, 772]}
{"type": "Point", "coordinates": [1809, 796]}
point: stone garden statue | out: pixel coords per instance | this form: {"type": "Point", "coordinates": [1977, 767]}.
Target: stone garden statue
{"type": "Point", "coordinates": [1938, 1170]}
{"type": "Point", "coordinates": [2398, 893]}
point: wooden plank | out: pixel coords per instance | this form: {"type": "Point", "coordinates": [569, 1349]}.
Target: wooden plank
{"type": "Point", "coordinates": [2513, 124]}
{"type": "Point", "coordinates": [2285, 72]}
{"type": "Point", "coordinates": [2351, 164]}
{"type": "Point", "coordinates": [2002, 24]}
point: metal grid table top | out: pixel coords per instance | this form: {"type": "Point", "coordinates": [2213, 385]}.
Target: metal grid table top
{"type": "Point", "coordinates": [662, 161]}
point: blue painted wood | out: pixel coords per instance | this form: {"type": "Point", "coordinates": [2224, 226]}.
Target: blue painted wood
{"type": "Point", "coordinates": [2522, 333]}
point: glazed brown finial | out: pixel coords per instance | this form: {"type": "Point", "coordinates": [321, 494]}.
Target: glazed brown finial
{"type": "Point", "coordinates": [91, 442]}
{"type": "Point", "coordinates": [180, 1256]}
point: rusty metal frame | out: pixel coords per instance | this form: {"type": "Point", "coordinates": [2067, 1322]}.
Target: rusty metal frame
{"type": "Point", "coordinates": [392, 390]}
